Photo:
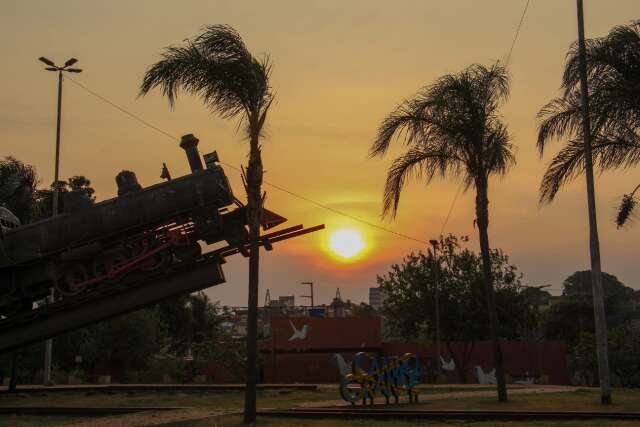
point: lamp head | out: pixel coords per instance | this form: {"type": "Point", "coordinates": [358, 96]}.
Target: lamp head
{"type": "Point", "coordinates": [46, 61]}
{"type": "Point", "coordinates": [70, 62]}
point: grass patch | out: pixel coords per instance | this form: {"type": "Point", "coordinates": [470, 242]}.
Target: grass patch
{"type": "Point", "coordinates": [236, 421]}
{"type": "Point", "coordinates": [35, 421]}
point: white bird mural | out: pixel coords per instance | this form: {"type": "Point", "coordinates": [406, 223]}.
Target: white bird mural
{"type": "Point", "coordinates": [298, 334]}
{"type": "Point", "coordinates": [485, 378]}
{"type": "Point", "coordinates": [448, 366]}
{"type": "Point", "coordinates": [343, 366]}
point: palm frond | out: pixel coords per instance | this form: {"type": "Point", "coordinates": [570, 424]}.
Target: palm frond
{"type": "Point", "coordinates": [417, 162]}
{"type": "Point", "coordinates": [625, 210]}
{"type": "Point", "coordinates": [452, 128]}
{"type": "Point", "coordinates": [217, 67]}
{"type": "Point", "coordinates": [559, 118]}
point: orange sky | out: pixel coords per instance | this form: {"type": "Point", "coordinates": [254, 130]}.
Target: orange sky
{"type": "Point", "coordinates": [339, 67]}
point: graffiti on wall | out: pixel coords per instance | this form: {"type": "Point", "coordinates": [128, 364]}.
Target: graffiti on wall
{"type": "Point", "coordinates": [370, 376]}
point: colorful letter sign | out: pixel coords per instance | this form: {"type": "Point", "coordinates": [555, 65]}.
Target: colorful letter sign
{"type": "Point", "coordinates": [388, 376]}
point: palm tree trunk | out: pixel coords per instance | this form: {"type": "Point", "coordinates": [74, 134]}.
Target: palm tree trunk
{"type": "Point", "coordinates": [482, 217]}
{"type": "Point", "coordinates": [254, 212]}
{"type": "Point", "coordinates": [594, 243]}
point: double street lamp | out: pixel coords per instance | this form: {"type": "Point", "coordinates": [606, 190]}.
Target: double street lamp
{"type": "Point", "coordinates": [65, 68]}
{"type": "Point", "coordinates": [51, 66]}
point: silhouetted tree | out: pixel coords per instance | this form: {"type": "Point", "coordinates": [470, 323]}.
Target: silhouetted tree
{"type": "Point", "coordinates": [217, 67]}
{"type": "Point", "coordinates": [452, 129]}
{"type": "Point", "coordinates": [410, 290]}
{"type": "Point", "coordinates": [18, 182]}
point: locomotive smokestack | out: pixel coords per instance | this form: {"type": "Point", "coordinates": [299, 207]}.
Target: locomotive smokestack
{"type": "Point", "coordinates": [190, 145]}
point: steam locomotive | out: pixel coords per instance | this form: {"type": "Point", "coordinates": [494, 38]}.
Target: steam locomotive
{"type": "Point", "coordinates": [142, 230]}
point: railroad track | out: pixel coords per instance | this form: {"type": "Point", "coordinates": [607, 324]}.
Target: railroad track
{"type": "Point", "coordinates": [131, 388]}
{"type": "Point", "coordinates": [395, 414]}
{"type": "Point", "coordinates": [84, 411]}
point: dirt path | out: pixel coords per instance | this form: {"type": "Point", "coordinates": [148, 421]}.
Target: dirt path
{"type": "Point", "coordinates": [147, 418]}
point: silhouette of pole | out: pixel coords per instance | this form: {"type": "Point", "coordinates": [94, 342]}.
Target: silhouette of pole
{"type": "Point", "coordinates": [436, 263]}
{"type": "Point", "coordinates": [596, 270]}
{"type": "Point", "coordinates": [48, 344]}
{"type": "Point", "coordinates": [309, 296]}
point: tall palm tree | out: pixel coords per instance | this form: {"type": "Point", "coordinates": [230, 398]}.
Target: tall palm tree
{"type": "Point", "coordinates": [217, 67]}
{"type": "Point", "coordinates": [452, 129]}
{"type": "Point", "coordinates": [613, 72]}
{"type": "Point", "coordinates": [611, 68]}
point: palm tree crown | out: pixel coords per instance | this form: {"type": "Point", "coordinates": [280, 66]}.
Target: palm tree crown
{"type": "Point", "coordinates": [217, 67]}
{"type": "Point", "coordinates": [613, 72]}
{"type": "Point", "coordinates": [451, 127]}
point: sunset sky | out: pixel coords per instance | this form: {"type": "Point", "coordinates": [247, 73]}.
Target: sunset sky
{"type": "Point", "coordinates": [338, 68]}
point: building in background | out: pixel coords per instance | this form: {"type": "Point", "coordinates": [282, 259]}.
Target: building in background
{"type": "Point", "coordinates": [376, 297]}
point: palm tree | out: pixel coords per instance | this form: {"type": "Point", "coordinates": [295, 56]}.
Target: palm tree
{"type": "Point", "coordinates": [452, 129]}
{"type": "Point", "coordinates": [613, 72]}
{"type": "Point", "coordinates": [217, 67]}
{"type": "Point", "coordinates": [599, 112]}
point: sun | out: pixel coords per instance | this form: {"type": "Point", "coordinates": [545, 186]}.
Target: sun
{"type": "Point", "coordinates": [346, 243]}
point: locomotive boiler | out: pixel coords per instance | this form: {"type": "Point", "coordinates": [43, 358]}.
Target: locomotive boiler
{"type": "Point", "coordinates": [110, 243]}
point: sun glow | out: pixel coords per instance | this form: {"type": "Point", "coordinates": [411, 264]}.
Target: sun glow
{"type": "Point", "coordinates": [346, 243]}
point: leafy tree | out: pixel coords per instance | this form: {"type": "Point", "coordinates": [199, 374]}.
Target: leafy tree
{"type": "Point", "coordinates": [453, 129]}
{"type": "Point", "coordinates": [43, 198]}
{"type": "Point", "coordinates": [363, 310]}
{"type": "Point", "coordinates": [190, 319]}
{"type": "Point", "coordinates": [18, 182]}
{"type": "Point", "coordinates": [118, 346]}
{"type": "Point", "coordinates": [573, 314]}
{"type": "Point", "coordinates": [410, 290]}
{"type": "Point", "coordinates": [218, 67]}
{"type": "Point", "coordinates": [618, 297]}
{"type": "Point", "coordinates": [624, 347]}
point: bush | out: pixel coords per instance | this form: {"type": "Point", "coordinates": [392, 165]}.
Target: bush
{"type": "Point", "coordinates": [624, 360]}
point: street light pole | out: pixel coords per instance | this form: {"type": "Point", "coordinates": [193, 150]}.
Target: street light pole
{"type": "Point", "coordinates": [56, 175]}
{"type": "Point", "coordinates": [48, 344]}
{"type": "Point", "coordinates": [436, 262]}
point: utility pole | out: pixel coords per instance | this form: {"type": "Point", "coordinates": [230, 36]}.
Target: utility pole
{"type": "Point", "coordinates": [308, 296]}
{"type": "Point", "coordinates": [436, 269]}
{"type": "Point", "coordinates": [48, 344]}
{"type": "Point", "coordinates": [596, 270]}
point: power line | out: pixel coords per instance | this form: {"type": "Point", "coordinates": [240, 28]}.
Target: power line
{"type": "Point", "coordinates": [515, 37]}
{"type": "Point", "coordinates": [133, 116]}
{"type": "Point", "coordinates": [508, 58]}
{"type": "Point", "coordinates": [453, 203]}
{"type": "Point", "coordinates": [277, 187]}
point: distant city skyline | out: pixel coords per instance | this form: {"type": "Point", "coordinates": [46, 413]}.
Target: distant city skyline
{"type": "Point", "coordinates": [338, 69]}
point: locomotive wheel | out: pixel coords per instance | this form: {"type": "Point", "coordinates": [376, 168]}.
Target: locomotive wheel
{"type": "Point", "coordinates": [72, 276]}
{"type": "Point", "coordinates": [104, 264]}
